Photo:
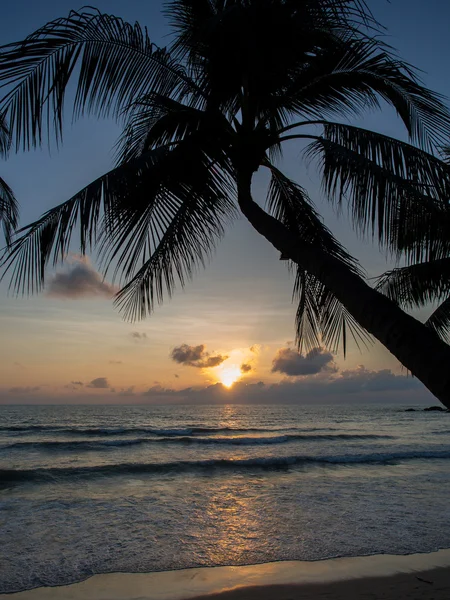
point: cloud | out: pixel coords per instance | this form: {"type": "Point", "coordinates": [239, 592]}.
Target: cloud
{"type": "Point", "coordinates": [126, 391]}
{"type": "Point", "coordinates": [293, 364]}
{"type": "Point", "coordinates": [79, 280]}
{"type": "Point", "coordinates": [77, 383]}
{"type": "Point", "coordinates": [139, 336]}
{"type": "Point", "coordinates": [196, 356]}
{"type": "Point", "coordinates": [358, 385]}
{"type": "Point", "coordinates": [246, 368]}
{"type": "Point", "coordinates": [24, 390]}
{"type": "Point", "coordinates": [115, 362]}
{"type": "Point", "coordinates": [100, 383]}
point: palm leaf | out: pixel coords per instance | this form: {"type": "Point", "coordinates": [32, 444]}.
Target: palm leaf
{"type": "Point", "coordinates": [289, 203]}
{"type": "Point", "coordinates": [439, 320]}
{"type": "Point", "coordinates": [417, 284]}
{"type": "Point", "coordinates": [320, 317]}
{"type": "Point", "coordinates": [156, 120]}
{"type": "Point", "coordinates": [5, 137]}
{"type": "Point", "coordinates": [9, 210]}
{"type": "Point", "coordinates": [348, 73]}
{"type": "Point", "coordinates": [394, 190]}
{"type": "Point", "coordinates": [111, 61]}
{"type": "Point", "coordinates": [191, 220]}
{"type": "Point", "coordinates": [143, 215]}
{"type": "Point", "coordinates": [49, 238]}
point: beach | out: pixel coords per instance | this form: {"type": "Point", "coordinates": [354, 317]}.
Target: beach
{"type": "Point", "coordinates": [177, 496]}
{"type": "Point", "coordinates": [419, 576]}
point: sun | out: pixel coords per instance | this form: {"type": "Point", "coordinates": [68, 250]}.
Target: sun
{"type": "Point", "coordinates": [228, 375]}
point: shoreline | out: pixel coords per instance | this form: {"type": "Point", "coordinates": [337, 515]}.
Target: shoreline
{"type": "Point", "coordinates": [330, 578]}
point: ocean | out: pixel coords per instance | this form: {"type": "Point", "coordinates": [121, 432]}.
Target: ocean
{"type": "Point", "coordinates": [99, 489]}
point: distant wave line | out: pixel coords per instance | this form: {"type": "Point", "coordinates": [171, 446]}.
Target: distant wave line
{"type": "Point", "coordinates": [175, 431]}
{"type": "Point", "coordinates": [55, 474]}
{"type": "Point", "coordinates": [77, 445]}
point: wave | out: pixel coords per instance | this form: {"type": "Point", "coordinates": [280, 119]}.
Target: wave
{"type": "Point", "coordinates": [20, 430]}
{"type": "Point", "coordinates": [56, 474]}
{"type": "Point", "coordinates": [89, 445]}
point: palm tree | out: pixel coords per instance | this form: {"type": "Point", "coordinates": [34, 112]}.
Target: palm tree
{"type": "Point", "coordinates": [239, 79]}
{"type": "Point", "coordinates": [8, 204]}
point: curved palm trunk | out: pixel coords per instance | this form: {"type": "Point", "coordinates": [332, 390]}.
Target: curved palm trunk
{"type": "Point", "coordinates": [418, 348]}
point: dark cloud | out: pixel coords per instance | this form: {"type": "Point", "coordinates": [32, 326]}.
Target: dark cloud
{"type": "Point", "coordinates": [100, 383]}
{"type": "Point", "coordinates": [246, 368]}
{"type": "Point", "coordinates": [115, 362]}
{"type": "Point", "coordinates": [24, 390]}
{"type": "Point", "coordinates": [176, 376]}
{"type": "Point", "coordinates": [196, 356]}
{"type": "Point", "coordinates": [158, 390]}
{"type": "Point", "coordinates": [293, 364]}
{"type": "Point", "coordinates": [80, 280]}
{"type": "Point", "coordinates": [126, 391]}
{"type": "Point", "coordinates": [358, 385]}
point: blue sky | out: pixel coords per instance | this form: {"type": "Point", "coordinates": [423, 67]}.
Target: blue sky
{"type": "Point", "coordinates": [241, 300]}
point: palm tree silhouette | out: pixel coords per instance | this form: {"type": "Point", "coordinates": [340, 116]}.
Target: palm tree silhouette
{"type": "Point", "coordinates": [8, 203]}
{"type": "Point", "coordinates": [239, 79]}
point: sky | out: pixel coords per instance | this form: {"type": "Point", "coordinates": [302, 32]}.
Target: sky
{"type": "Point", "coordinates": [235, 321]}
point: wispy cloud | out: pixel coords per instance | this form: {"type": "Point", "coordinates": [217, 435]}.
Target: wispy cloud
{"type": "Point", "coordinates": [138, 336]}
{"type": "Point", "coordinates": [24, 390]}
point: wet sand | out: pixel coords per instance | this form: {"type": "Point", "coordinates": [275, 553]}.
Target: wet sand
{"type": "Point", "coordinates": [386, 577]}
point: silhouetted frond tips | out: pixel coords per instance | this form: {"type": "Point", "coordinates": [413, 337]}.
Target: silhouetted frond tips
{"type": "Point", "coordinates": [116, 62]}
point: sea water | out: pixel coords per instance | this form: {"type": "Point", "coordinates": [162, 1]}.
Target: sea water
{"type": "Point", "coordinates": [99, 489]}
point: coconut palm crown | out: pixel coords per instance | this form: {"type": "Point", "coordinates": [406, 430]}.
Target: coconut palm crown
{"type": "Point", "coordinates": [239, 79]}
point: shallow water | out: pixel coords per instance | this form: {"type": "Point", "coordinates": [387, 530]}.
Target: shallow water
{"type": "Point", "coordinates": [106, 488]}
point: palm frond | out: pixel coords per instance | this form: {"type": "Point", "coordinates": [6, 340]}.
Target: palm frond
{"type": "Point", "coordinates": [394, 190]}
{"type": "Point", "coordinates": [159, 215]}
{"type": "Point", "coordinates": [321, 319]}
{"type": "Point", "coordinates": [417, 284]}
{"type": "Point", "coordinates": [186, 227]}
{"type": "Point", "coordinates": [439, 321]}
{"type": "Point", "coordinates": [5, 137]}
{"type": "Point", "coordinates": [111, 61]}
{"type": "Point", "coordinates": [48, 240]}
{"type": "Point", "coordinates": [156, 120]}
{"type": "Point", "coordinates": [9, 210]}
{"type": "Point", "coordinates": [288, 202]}
{"type": "Point", "coordinates": [348, 73]}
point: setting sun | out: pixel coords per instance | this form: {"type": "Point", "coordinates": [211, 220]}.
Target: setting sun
{"type": "Point", "coordinates": [229, 375]}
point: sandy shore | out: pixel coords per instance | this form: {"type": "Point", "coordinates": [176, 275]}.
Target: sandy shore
{"type": "Point", "coordinates": [387, 577]}
{"type": "Point", "coordinates": [427, 585]}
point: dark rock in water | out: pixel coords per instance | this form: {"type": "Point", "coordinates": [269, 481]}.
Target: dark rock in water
{"type": "Point", "coordinates": [410, 410]}
{"type": "Point", "coordinates": [436, 408]}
